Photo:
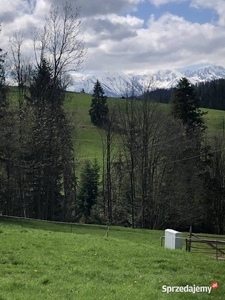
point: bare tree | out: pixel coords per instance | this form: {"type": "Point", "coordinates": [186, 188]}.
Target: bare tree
{"type": "Point", "coordinates": [127, 121]}
{"type": "Point", "coordinates": [60, 42]}
{"type": "Point", "coordinates": [21, 73]}
{"type": "Point", "coordinates": [108, 137]}
{"type": "Point", "coordinates": [145, 131]}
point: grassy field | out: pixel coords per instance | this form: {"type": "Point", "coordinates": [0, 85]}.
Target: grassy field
{"type": "Point", "coordinates": [130, 264]}
{"type": "Point", "coordinates": [88, 137]}
{"type": "Point", "coordinates": [214, 120]}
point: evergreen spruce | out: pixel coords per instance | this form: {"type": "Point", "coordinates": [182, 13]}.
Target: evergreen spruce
{"type": "Point", "coordinates": [193, 167]}
{"type": "Point", "coordinates": [8, 203]}
{"type": "Point", "coordinates": [99, 107]}
{"type": "Point", "coordinates": [88, 187]}
{"type": "Point", "coordinates": [186, 107]}
{"type": "Point", "coordinates": [52, 178]}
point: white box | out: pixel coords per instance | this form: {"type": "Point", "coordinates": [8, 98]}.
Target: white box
{"type": "Point", "coordinates": [173, 239]}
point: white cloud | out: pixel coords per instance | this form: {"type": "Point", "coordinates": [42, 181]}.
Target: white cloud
{"type": "Point", "coordinates": [217, 5]}
{"type": "Point", "coordinates": [169, 42]}
{"type": "Point", "coordinates": [110, 27]}
{"type": "Point", "coordinates": [8, 12]}
{"type": "Point", "coordinates": [121, 42]}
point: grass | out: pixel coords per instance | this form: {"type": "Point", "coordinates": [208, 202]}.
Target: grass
{"type": "Point", "coordinates": [214, 120]}
{"type": "Point", "coordinates": [130, 264]}
{"type": "Point", "coordinates": [88, 137]}
{"type": "Point", "coordinates": [89, 143]}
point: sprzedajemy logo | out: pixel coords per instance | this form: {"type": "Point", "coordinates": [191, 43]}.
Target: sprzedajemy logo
{"type": "Point", "coordinates": [190, 288]}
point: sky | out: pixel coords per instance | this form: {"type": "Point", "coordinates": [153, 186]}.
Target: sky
{"type": "Point", "coordinates": [132, 36]}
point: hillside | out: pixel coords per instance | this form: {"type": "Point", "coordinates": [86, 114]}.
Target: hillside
{"type": "Point", "coordinates": [166, 146]}
{"type": "Point", "coordinates": [86, 265]}
{"type": "Point", "coordinates": [88, 136]}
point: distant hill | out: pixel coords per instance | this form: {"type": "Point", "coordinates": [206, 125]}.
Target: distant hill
{"type": "Point", "coordinates": [117, 84]}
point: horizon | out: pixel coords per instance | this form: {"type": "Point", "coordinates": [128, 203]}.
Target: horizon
{"type": "Point", "coordinates": [181, 70]}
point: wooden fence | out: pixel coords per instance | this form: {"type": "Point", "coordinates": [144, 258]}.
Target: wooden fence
{"type": "Point", "coordinates": [213, 246]}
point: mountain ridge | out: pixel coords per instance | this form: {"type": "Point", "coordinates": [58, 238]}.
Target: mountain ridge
{"type": "Point", "coordinates": [117, 84]}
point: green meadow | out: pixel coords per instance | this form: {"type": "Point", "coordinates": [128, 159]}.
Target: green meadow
{"type": "Point", "coordinates": [40, 260]}
{"type": "Point", "coordinates": [214, 120]}
{"type": "Point", "coordinates": [88, 137]}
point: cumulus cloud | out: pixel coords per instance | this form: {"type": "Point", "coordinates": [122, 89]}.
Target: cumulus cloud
{"type": "Point", "coordinates": [21, 16]}
{"type": "Point", "coordinates": [15, 9]}
{"type": "Point", "coordinates": [217, 5]}
{"type": "Point", "coordinates": [168, 42]}
{"type": "Point", "coordinates": [111, 27]}
{"type": "Point", "coordinates": [116, 40]}
{"type": "Point", "coordinates": [101, 20]}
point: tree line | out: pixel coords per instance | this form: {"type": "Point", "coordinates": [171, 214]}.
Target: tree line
{"type": "Point", "coordinates": [210, 94]}
{"type": "Point", "coordinates": [159, 168]}
{"type": "Point", "coordinates": [37, 165]}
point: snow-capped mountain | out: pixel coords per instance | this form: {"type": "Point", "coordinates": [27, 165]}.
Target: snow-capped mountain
{"type": "Point", "coordinates": [114, 83]}
{"type": "Point", "coordinates": [117, 84]}
{"type": "Point", "coordinates": [206, 74]}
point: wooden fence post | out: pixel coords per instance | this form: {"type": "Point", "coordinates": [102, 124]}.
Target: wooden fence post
{"type": "Point", "coordinates": [189, 242]}
{"type": "Point", "coordinates": [216, 251]}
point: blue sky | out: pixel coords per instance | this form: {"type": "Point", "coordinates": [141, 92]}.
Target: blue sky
{"type": "Point", "coordinates": [133, 36]}
{"type": "Point", "coordinates": [183, 9]}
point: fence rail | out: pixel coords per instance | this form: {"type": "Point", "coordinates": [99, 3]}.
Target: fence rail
{"type": "Point", "coordinates": [49, 225]}
{"type": "Point", "coordinates": [214, 246]}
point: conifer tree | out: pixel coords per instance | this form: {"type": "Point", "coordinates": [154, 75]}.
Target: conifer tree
{"type": "Point", "coordinates": [88, 190]}
{"type": "Point", "coordinates": [185, 106]}
{"type": "Point", "coordinates": [99, 107]}
{"type": "Point", "coordinates": [8, 184]}
{"type": "Point", "coordinates": [51, 150]}
{"type": "Point", "coordinates": [194, 161]}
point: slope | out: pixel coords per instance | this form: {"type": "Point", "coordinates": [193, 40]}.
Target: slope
{"type": "Point", "coordinates": [85, 265]}
{"type": "Point", "coordinates": [88, 137]}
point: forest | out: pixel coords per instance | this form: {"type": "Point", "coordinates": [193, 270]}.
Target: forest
{"type": "Point", "coordinates": [210, 94]}
{"type": "Point", "coordinates": [159, 167]}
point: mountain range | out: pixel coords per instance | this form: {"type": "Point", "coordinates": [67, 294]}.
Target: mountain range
{"type": "Point", "coordinates": [117, 84]}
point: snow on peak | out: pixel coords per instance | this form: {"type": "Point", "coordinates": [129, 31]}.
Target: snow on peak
{"type": "Point", "coordinates": [116, 84]}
